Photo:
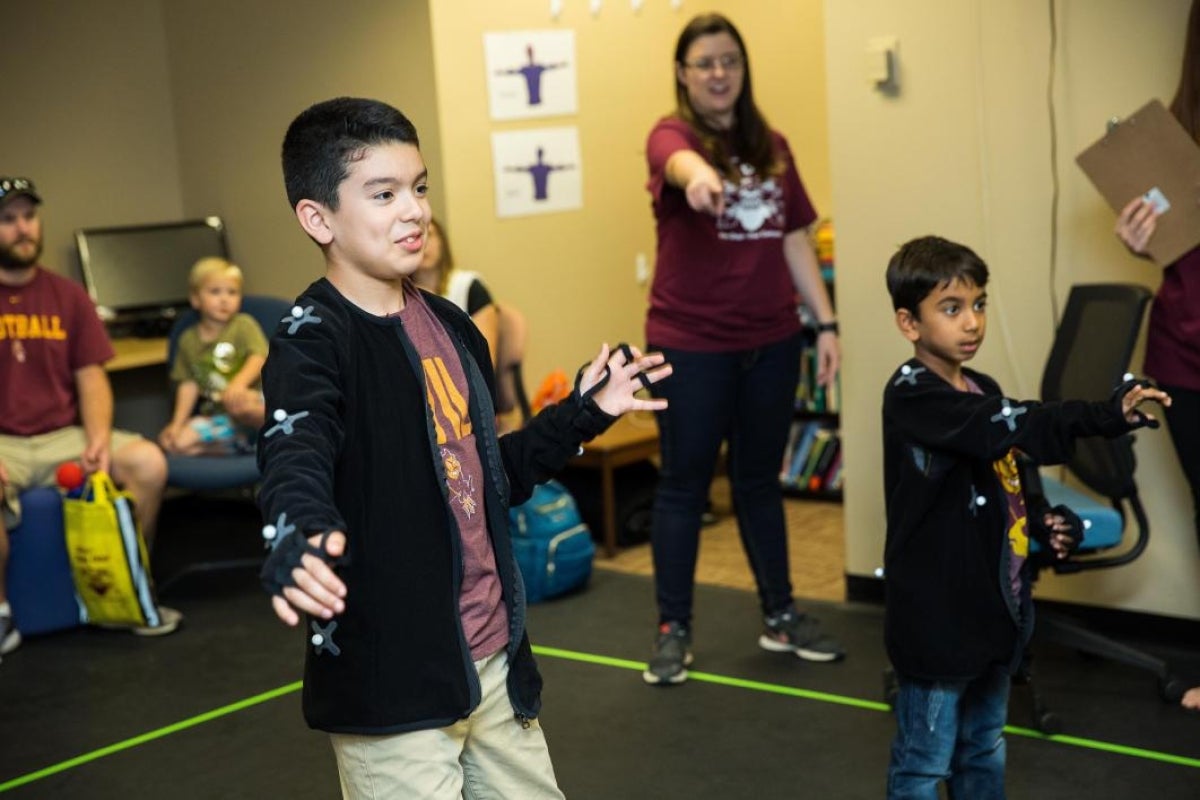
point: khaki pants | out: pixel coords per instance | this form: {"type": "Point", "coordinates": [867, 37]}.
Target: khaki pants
{"type": "Point", "coordinates": [32, 461]}
{"type": "Point", "coordinates": [487, 755]}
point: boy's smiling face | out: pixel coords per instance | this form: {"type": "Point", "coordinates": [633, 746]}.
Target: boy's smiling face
{"type": "Point", "coordinates": [951, 326]}
{"type": "Point", "coordinates": [377, 234]}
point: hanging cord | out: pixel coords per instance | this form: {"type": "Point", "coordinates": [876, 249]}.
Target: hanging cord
{"type": "Point", "coordinates": [996, 304]}
{"type": "Point", "coordinates": [1054, 187]}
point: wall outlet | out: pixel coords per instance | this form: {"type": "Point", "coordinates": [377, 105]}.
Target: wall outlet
{"type": "Point", "coordinates": [641, 270]}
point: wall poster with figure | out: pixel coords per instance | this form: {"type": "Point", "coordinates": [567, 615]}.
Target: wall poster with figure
{"type": "Point", "coordinates": [537, 171]}
{"type": "Point", "coordinates": [530, 74]}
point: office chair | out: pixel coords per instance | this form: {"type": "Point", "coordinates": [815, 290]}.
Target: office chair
{"type": "Point", "coordinates": [219, 473]}
{"type": "Point", "coordinates": [1090, 354]}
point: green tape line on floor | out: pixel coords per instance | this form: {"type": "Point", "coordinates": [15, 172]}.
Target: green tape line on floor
{"type": "Point", "coordinates": [167, 730]}
{"type": "Point", "coordinates": [598, 660]}
{"type": "Point", "coordinates": [824, 697]}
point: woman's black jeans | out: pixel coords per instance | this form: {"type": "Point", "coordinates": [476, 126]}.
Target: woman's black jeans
{"type": "Point", "coordinates": [745, 398]}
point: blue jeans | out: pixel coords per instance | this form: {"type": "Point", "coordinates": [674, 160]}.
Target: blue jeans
{"type": "Point", "coordinates": [745, 398]}
{"type": "Point", "coordinates": [953, 732]}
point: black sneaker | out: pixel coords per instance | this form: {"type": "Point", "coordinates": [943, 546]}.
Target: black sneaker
{"type": "Point", "coordinates": [672, 655]}
{"type": "Point", "coordinates": [10, 637]}
{"type": "Point", "coordinates": [789, 631]}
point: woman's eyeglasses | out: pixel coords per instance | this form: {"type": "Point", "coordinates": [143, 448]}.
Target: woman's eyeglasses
{"type": "Point", "coordinates": [731, 62]}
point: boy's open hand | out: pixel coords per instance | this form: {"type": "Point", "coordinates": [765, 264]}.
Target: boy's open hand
{"type": "Point", "coordinates": [1140, 393]}
{"type": "Point", "coordinates": [1062, 534]}
{"type": "Point", "coordinates": [626, 378]}
{"type": "Point", "coordinates": [317, 591]}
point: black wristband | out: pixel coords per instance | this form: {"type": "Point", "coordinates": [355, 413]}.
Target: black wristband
{"type": "Point", "coordinates": [827, 327]}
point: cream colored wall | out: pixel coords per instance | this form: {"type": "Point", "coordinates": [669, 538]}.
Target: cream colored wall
{"type": "Point", "coordinates": [240, 72]}
{"type": "Point", "coordinates": [86, 112]}
{"type": "Point", "coordinates": [963, 150]}
{"type": "Point", "coordinates": [573, 272]}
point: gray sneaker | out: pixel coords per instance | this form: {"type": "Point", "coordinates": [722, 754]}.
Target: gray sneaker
{"type": "Point", "coordinates": [789, 631]}
{"type": "Point", "coordinates": [10, 637]}
{"type": "Point", "coordinates": [168, 622]}
{"type": "Point", "coordinates": [672, 655]}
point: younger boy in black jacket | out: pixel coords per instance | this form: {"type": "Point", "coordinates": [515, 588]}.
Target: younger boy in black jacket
{"type": "Point", "coordinates": [387, 491]}
{"type": "Point", "coordinates": [958, 600]}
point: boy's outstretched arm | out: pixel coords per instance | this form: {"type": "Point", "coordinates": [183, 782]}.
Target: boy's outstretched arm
{"type": "Point", "coordinates": [628, 372]}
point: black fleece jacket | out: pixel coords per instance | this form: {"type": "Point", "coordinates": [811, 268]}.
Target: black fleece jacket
{"type": "Point", "coordinates": [950, 612]}
{"type": "Point", "coordinates": [349, 445]}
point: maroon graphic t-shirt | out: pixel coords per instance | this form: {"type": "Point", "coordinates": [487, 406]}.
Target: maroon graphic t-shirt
{"type": "Point", "coordinates": [484, 617]}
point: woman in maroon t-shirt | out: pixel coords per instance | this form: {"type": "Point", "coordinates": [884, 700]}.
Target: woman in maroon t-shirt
{"type": "Point", "coordinates": [733, 253]}
{"type": "Point", "coordinates": [1173, 336]}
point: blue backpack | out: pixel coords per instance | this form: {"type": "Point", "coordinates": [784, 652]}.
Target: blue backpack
{"type": "Point", "coordinates": [552, 544]}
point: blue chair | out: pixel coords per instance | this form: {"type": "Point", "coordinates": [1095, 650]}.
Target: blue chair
{"type": "Point", "coordinates": [219, 473]}
{"type": "Point", "coordinates": [41, 587]}
{"type": "Point", "coordinates": [1090, 354]}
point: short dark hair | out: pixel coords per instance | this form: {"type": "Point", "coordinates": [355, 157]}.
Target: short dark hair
{"type": "Point", "coordinates": [922, 264]}
{"type": "Point", "coordinates": [325, 138]}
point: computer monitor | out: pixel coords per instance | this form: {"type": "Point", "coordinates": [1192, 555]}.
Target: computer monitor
{"type": "Point", "coordinates": [138, 274]}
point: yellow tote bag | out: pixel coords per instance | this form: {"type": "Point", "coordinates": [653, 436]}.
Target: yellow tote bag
{"type": "Point", "coordinates": [108, 555]}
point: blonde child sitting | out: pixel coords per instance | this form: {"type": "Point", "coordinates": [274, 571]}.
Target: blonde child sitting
{"type": "Point", "coordinates": [218, 403]}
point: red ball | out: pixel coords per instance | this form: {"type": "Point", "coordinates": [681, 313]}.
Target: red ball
{"type": "Point", "coordinates": [69, 475]}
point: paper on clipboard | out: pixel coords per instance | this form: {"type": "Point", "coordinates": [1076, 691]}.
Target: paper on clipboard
{"type": "Point", "coordinates": [1150, 154]}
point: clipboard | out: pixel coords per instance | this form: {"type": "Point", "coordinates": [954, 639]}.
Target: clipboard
{"type": "Point", "coordinates": [1150, 154]}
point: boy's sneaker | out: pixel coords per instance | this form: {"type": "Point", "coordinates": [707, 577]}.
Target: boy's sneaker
{"type": "Point", "coordinates": [671, 657]}
{"type": "Point", "coordinates": [10, 637]}
{"type": "Point", "coordinates": [789, 631]}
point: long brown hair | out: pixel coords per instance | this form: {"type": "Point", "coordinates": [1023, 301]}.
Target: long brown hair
{"type": "Point", "coordinates": [1186, 105]}
{"type": "Point", "coordinates": [752, 142]}
{"type": "Point", "coordinates": [446, 262]}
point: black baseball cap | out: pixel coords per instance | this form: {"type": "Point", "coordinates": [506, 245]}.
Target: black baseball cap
{"type": "Point", "coordinates": [15, 187]}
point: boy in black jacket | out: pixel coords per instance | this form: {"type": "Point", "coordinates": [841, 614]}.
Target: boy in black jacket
{"type": "Point", "coordinates": [958, 600]}
{"type": "Point", "coordinates": [387, 491]}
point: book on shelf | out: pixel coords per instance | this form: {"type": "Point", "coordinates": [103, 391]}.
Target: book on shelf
{"type": "Point", "coordinates": [822, 441]}
{"type": "Point", "coordinates": [829, 453]}
{"type": "Point", "coordinates": [833, 481]}
{"type": "Point", "coordinates": [799, 453]}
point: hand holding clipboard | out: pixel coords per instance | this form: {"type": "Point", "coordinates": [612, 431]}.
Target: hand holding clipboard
{"type": "Point", "coordinates": [1150, 156]}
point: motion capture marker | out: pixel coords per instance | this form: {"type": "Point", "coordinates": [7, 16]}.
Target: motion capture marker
{"type": "Point", "coordinates": [322, 639]}
{"type": "Point", "coordinates": [1008, 414]}
{"type": "Point", "coordinates": [274, 534]}
{"type": "Point", "coordinates": [1128, 376]}
{"type": "Point", "coordinates": [978, 501]}
{"type": "Point", "coordinates": [1087, 523]}
{"type": "Point", "coordinates": [285, 422]}
{"type": "Point", "coordinates": [879, 572]}
{"type": "Point", "coordinates": [299, 317]}
{"type": "Point", "coordinates": [908, 375]}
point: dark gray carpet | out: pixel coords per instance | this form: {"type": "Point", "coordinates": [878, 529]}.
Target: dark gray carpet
{"type": "Point", "coordinates": [72, 694]}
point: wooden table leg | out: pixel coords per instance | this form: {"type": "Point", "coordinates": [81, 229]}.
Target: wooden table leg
{"type": "Point", "coordinates": [608, 495]}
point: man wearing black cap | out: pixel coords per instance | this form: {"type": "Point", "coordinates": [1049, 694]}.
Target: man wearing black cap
{"type": "Point", "coordinates": [56, 403]}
